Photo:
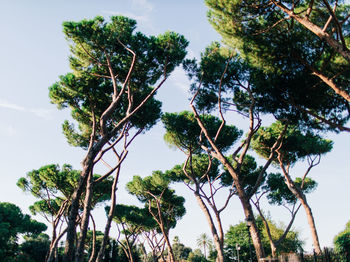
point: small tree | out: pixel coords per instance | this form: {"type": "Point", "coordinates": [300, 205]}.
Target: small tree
{"type": "Point", "coordinates": [239, 234]}
{"type": "Point", "coordinates": [342, 242]}
{"type": "Point", "coordinates": [203, 241]}
{"type": "Point", "coordinates": [131, 221]}
{"type": "Point", "coordinates": [278, 193]}
{"type": "Point", "coordinates": [54, 187]}
{"type": "Point", "coordinates": [161, 201]}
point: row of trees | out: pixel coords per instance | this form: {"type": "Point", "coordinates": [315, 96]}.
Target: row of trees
{"type": "Point", "coordinates": [131, 222]}
{"type": "Point", "coordinates": [285, 60]}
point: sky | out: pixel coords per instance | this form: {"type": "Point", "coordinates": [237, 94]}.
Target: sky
{"type": "Point", "coordinates": [34, 52]}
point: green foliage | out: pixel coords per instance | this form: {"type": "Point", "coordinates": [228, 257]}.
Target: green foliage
{"type": "Point", "coordinates": [133, 216]}
{"type": "Point", "coordinates": [220, 72]}
{"type": "Point", "coordinates": [49, 178]}
{"type": "Point", "coordinates": [248, 173]}
{"type": "Point", "coordinates": [239, 234]}
{"type": "Point", "coordinates": [296, 144]}
{"type": "Point", "coordinates": [35, 248]}
{"type": "Point", "coordinates": [278, 192]}
{"type": "Point", "coordinates": [196, 168]}
{"type": "Point", "coordinates": [97, 47]}
{"type": "Point", "coordinates": [183, 131]}
{"type": "Point", "coordinates": [154, 191]}
{"type": "Point", "coordinates": [342, 241]}
{"type": "Point", "coordinates": [181, 252]}
{"type": "Point", "coordinates": [283, 56]}
{"type": "Point", "coordinates": [54, 185]}
{"type": "Point", "coordinates": [196, 256]}
{"type": "Point", "coordinates": [12, 223]}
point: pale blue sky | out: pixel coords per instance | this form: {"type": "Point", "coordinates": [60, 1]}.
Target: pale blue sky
{"type": "Point", "coordinates": [33, 53]}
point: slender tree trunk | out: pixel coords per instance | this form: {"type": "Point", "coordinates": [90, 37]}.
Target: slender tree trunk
{"type": "Point", "coordinates": [129, 251]}
{"type": "Point", "coordinates": [310, 218]}
{"type": "Point", "coordinates": [52, 246]}
{"type": "Point", "coordinates": [73, 213]}
{"type": "Point", "coordinates": [273, 248]}
{"type": "Point", "coordinates": [51, 255]}
{"type": "Point", "coordinates": [243, 197]}
{"type": "Point", "coordinates": [93, 252]}
{"type": "Point", "coordinates": [79, 256]}
{"type": "Point", "coordinates": [109, 218]}
{"type": "Point", "coordinates": [217, 242]}
{"type": "Point", "coordinates": [247, 208]}
{"type": "Point", "coordinates": [167, 241]}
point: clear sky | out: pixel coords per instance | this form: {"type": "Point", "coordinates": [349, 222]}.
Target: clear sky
{"type": "Point", "coordinates": [33, 53]}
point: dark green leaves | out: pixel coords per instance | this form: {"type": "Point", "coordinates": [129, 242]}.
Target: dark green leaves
{"type": "Point", "coordinates": [183, 131]}
{"type": "Point", "coordinates": [102, 58]}
{"type": "Point", "coordinates": [12, 223]}
{"type": "Point", "coordinates": [296, 144]}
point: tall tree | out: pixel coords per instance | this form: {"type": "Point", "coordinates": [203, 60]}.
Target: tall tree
{"type": "Point", "coordinates": [109, 92]}
{"type": "Point", "coordinates": [296, 146]}
{"type": "Point", "coordinates": [200, 173]}
{"type": "Point", "coordinates": [222, 82]}
{"type": "Point", "coordinates": [203, 241]}
{"type": "Point", "coordinates": [161, 201]}
{"type": "Point", "coordinates": [301, 74]}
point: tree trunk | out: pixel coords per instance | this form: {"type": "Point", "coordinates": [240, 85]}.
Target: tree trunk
{"type": "Point", "coordinates": [247, 208]}
{"type": "Point", "coordinates": [73, 213]}
{"type": "Point", "coordinates": [302, 198]}
{"type": "Point", "coordinates": [244, 198]}
{"type": "Point", "coordinates": [93, 251]}
{"type": "Point", "coordinates": [217, 242]}
{"type": "Point", "coordinates": [273, 249]}
{"type": "Point", "coordinates": [87, 165]}
{"type": "Point", "coordinates": [79, 256]}
{"type": "Point", "coordinates": [109, 219]}
{"type": "Point", "coordinates": [51, 256]}
{"type": "Point", "coordinates": [170, 249]}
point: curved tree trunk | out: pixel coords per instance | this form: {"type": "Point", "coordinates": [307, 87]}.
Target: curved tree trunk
{"type": "Point", "coordinates": [247, 208]}
{"type": "Point", "coordinates": [217, 242]}
{"type": "Point", "coordinates": [79, 257]}
{"type": "Point", "coordinates": [109, 218]}
{"type": "Point", "coordinates": [51, 255]}
{"type": "Point", "coordinates": [302, 198]}
{"type": "Point", "coordinates": [243, 197]}
{"type": "Point", "coordinates": [93, 252]}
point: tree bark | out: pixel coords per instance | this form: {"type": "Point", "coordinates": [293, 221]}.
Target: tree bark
{"type": "Point", "coordinates": [79, 256]}
{"type": "Point", "coordinates": [217, 242]}
{"type": "Point", "coordinates": [93, 252]}
{"type": "Point", "coordinates": [338, 47]}
{"type": "Point", "coordinates": [243, 197]}
{"type": "Point", "coordinates": [302, 198]}
{"type": "Point", "coordinates": [109, 218]}
{"type": "Point", "coordinates": [247, 208]}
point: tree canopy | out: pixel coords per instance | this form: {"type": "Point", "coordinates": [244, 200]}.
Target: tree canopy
{"type": "Point", "coordinates": [13, 223]}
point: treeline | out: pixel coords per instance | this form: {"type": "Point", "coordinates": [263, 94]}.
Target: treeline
{"type": "Point", "coordinates": [286, 61]}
